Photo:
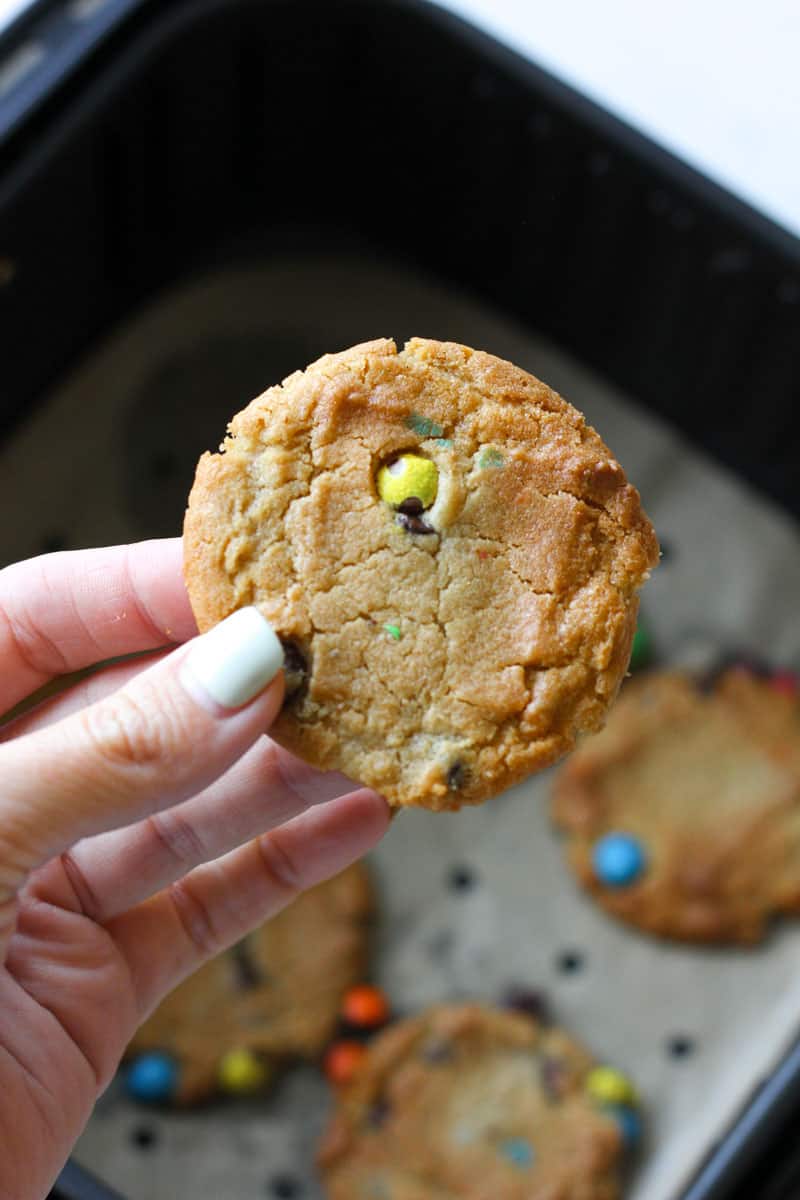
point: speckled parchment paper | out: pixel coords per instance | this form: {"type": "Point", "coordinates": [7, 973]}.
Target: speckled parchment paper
{"type": "Point", "coordinates": [108, 457]}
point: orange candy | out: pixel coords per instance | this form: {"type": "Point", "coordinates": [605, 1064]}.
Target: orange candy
{"type": "Point", "coordinates": [365, 1007]}
{"type": "Point", "coordinates": [342, 1059]}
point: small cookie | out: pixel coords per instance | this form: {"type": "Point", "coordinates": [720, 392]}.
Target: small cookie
{"type": "Point", "coordinates": [449, 553]}
{"type": "Point", "coordinates": [275, 995]}
{"type": "Point", "coordinates": [683, 815]}
{"type": "Point", "coordinates": [470, 1102]}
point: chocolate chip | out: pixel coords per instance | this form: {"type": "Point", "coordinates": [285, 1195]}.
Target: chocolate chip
{"type": "Point", "coordinates": [295, 667]}
{"type": "Point", "coordinates": [551, 1074]}
{"type": "Point", "coordinates": [412, 506]}
{"type": "Point", "coordinates": [413, 524]}
{"type": "Point", "coordinates": [529, 1001]}
{"type": "Point", "coordinates": [437, 1050]}
{"type": "Point", "coordinates": [293, 659]}
{"type": "Point", "coordinates": [248, 973]}
{"type": "Point", "coordinates": [729, 660]}
{"type": "Point", "coordinates": [354, 1033]}
{"type": "Point", "coordinates": [377, 1113]}
{"type": "Point", "coordinates": [457, 776]}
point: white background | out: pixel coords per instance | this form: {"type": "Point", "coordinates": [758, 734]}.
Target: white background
{"type": "Point", "coordinates": [717, 81]}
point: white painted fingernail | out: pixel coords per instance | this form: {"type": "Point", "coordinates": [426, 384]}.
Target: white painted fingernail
{"type": "Point", "coordinates": [236, 659]}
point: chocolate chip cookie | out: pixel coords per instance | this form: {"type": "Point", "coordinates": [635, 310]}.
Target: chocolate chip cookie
{"type": "Point", "coordinates": [466, 1102]}
{"type": "Point", "coordinates": [272, 997]}
{"type": "Point", "coordinates": [683, 815]}
{"type": "Point", "coordinates": [449, 553]}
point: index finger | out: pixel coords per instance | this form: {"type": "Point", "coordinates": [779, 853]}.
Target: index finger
{"type": "Point", "coordinates": [72, 609]}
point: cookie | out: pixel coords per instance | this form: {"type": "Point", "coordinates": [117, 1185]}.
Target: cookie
{"type": "Point", "coordinates": [274, 996]}
{"type": "Point", "coordinates": [465, 1101]}
{"type": "Point", "coordinates": [683, 815]}
{"type": "Point", "coordinates": [449, 553]}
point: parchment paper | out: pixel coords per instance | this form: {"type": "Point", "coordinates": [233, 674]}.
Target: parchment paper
{"type": "Point", "coordinates": [95, 464]}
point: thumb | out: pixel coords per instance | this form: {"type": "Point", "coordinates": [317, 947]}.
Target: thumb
{"type": "Point", "coordinates": [167, 734]}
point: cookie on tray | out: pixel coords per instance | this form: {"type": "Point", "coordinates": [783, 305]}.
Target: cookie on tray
{"type": "Point", "coordinates": [683, 815]}
{"type": "Point", "coordinates": [274, 996]}
{"type": "Point", "coordinates": [466, 1102]}
{"type": "Point", "coordinates": [449, 553]}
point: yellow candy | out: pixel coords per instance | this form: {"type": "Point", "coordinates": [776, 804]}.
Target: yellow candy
{"type": "Point", "coordinates": [240, 1071]}
{"type": "Point", "coordinates": [608, 1086]}
{"type": "Point", "coordinates": [409, 475]}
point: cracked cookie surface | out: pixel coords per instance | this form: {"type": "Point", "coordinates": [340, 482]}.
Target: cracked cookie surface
{"type": "Point", "coordinates": [465, 1102]}
{"type": "Point", "coordinates": [442, 653]}
{"type": "Point", "coordinates": [707, 786]}
{"type": "Point", "coordinates": [276, 994]}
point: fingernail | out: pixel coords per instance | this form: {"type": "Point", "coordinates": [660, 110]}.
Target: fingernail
{"type": "Point", "coordinates": [236, 659]}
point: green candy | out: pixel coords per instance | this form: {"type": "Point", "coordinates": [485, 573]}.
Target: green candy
{"type": "Point", "coordinates": [490, 458]}
{"type": "Point", "coordinates": [642, 649]}
{"type": "Point", "coordinates": [424, 426]}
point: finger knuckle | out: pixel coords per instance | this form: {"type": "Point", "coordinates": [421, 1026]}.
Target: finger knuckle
{"type": "Point", "coordinates": [282, 871]}
{"type": "Point", "coordinates": [196, 918]}
{"type": "Point", "coordinates": [125, 733]}
{"type": "Point", "coordinates": [178, 837]}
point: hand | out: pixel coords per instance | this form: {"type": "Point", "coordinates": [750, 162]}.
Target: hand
{"type": "Point", "coordinates": [133, 811]}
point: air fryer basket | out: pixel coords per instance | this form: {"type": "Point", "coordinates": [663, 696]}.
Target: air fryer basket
{"type": "Point", "coordinates": [151, 140]}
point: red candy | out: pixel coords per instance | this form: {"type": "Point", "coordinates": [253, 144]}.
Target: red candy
{"type": "Point", "coordinates": [342, 1060]}
{"type": "Point", "coordinates": [785, 682]}
{"type": "Point", "coordinates": [365, 1006]}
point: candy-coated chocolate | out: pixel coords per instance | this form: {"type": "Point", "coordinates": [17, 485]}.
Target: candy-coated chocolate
{"type": "Point", "coordinates": [152, 1078]}
{"type": "Point", "coordinates": [365, 1006]}
{"type": "Point", "coordinates": [530, 1001]}
{"type": "Point", "coordinates": [242, 1072]}
{"type": "Point", "coordinates": [408, 476]}
{"type": "Point", "coordinates": [642, 648]}
{"type": "Point", "coordinates": [342, 1060]}
{"type": "Point", "coordinates": [785, 682]}
{"type": "Point", "coordinates": [393, 632]}
{"type": "Point", "coordinates": [609, 1086]}
{"type": "Point", "coordinates": [618, 859]}
{"type": "Point", "coordinates": [518, 1151]}
{"type": "Point", "coordinates": [630, 1124]}
{"type": "Point", "coordinates": [424, 426]}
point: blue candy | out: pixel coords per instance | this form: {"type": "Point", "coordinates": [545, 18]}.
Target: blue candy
{"type": "Point", "coordinates": [630, 1124]}
{"type": "Point", "coordinates": [518, 1151]}
{"type": "Point", "coordinates": [618, 859]}
{"type": "Point", "coordinates": [152, 1078]}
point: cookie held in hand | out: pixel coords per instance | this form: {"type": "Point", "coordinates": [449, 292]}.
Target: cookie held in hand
{"type": "Point", "coordinates": [450, 554]}
{"type": "Point", "coordinates": [465, 1102]}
